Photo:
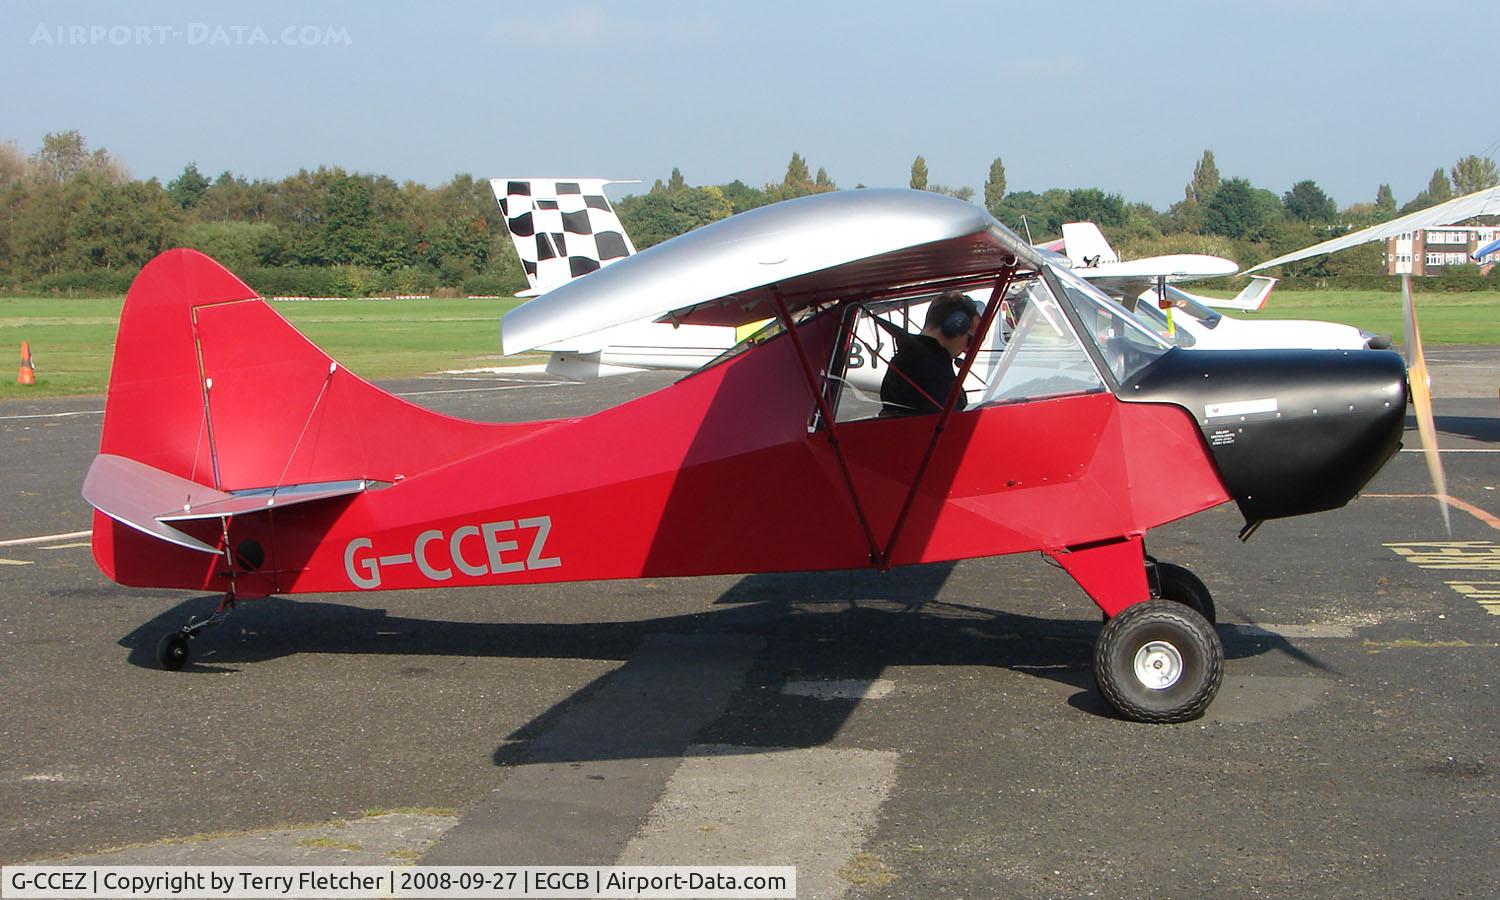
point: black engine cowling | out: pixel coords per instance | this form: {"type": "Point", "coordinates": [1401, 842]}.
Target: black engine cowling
{"type": "Point", "coordinates": [1291, 431]}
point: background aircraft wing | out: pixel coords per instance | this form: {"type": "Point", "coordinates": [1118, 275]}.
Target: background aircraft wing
{"type": "Point", "coordinates": [1459, 209]}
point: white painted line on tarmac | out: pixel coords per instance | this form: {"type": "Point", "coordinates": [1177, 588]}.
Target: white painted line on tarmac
{"type": "Point", "coordinates": [69, 546]}
{"type": "Point", "coordinates": [538, 369]}
{"type": "Point", "coordinates": [807, 807]}
{"type": "Point", "coordinates": [15, 562]}
{"type": "Point", "coordinates": [1451, 450]}
{"type": "Point", "coordinates": [45, 539]}
{"type": "Point", "coordinates": [1294, 632]}
{"type": "Point", "coordinates": [508, 387]}
{"type": "Point", "coordinates": [61, 415]}
{"type": "Point", "coordinates": [847, 689]}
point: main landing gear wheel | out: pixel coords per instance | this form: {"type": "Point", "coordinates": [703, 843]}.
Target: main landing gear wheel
{"type": "Point", "coordinates": [1182, 586]}
{"type": "Point", "coordinates": [1158, 661]}
{"type": "Point", "coordinates": [172, 651]}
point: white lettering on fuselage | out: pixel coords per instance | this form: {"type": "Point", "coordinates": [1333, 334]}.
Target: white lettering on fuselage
{"type": "Point", "coordinates": [490, 548]}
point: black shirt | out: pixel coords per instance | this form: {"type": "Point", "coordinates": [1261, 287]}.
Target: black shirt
{"type": "Point", "coordinates": [923, 360]}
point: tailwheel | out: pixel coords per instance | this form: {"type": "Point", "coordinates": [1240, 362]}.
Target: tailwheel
{"type": "Point", "coordinates": [1180, 585]}
{"type": "Point", "coordinates": [1158, 661]}
{"type": "Point", "coordinates": [172, 651]}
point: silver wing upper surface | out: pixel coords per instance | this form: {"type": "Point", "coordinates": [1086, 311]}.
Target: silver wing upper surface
{"type": "Point", "coordinates": [848, 245]}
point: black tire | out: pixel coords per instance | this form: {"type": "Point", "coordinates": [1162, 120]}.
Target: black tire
{"type": "Point", "coordinates": [172, 652]}
{"type": "Point", "coordinates": [1182, 586]}
{"type": "Point", "coordinates": [1165, 637]}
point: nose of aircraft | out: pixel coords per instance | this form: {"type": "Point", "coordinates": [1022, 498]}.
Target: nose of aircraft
{"type": "Point", "coordinates": [1291, 431]}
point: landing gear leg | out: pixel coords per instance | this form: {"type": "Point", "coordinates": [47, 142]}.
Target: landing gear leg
{"type": "Point", "coordinates": [173, 652]}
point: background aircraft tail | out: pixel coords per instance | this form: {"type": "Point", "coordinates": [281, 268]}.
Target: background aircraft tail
{"type": "Point", "coordinates": [1085, 244]}
{"type": "Point", "coordinates": [1251, 298]}
{"type": "Point", "coordinates": [562, 227]}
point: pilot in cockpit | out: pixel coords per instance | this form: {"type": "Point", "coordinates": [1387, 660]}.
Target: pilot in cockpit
{"type": "Point", "coordinates": [921, 372]}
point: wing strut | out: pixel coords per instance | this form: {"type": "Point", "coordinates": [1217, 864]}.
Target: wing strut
{"type": "Point", "coordinates": [833, 434]}
{"type": "Point", "coordinates": [1002, 282]}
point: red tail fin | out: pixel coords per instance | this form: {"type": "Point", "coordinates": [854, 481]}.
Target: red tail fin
{"type": "Point", "coordinates": [211, 385]}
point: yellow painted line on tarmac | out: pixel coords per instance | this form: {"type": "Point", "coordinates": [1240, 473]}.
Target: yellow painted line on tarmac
{"type": "Point", "coordinates": [1485, 593]}
{"type": "Point", "coordinates": [1482, 515]}
{"type": "Point", "coordinates": [1458, 556]}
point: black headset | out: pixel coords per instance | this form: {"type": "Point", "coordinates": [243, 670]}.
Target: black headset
{"type": "Point", "coordinates": [957, 322]}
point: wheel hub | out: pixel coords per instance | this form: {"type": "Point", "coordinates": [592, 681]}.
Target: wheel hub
{"type": "Point", "coordinates": [1158, 665]}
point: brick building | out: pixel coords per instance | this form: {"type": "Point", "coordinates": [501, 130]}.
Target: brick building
{"type": "Point", "coordinates": [1435, 250]}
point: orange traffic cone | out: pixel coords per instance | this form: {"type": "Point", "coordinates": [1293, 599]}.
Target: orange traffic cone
{"type": "Point", "coordinates": [28, 368]}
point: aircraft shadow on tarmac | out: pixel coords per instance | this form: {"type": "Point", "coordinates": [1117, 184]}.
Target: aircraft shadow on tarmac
{"type": "Point", "coordinates": [1478, 428]}
{"type": "Point", "coordinates": [823, 626]}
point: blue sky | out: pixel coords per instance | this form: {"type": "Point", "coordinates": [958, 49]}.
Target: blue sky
{"type": "Point", "coordinates": [1120, 96]}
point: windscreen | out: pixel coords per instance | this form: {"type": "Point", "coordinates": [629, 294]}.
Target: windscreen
{"type": "Point", "coordinates": [1043, 357]}
{"type": "Point", "coordinates": [1127, 345]}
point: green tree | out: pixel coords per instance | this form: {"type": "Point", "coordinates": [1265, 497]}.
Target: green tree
{"type": "Point", "coordinates": [232, 198]}
{"type": "Point", "coordinates": [1439, 189]}
{"type": "Point", "coordinates": [12, 165]}
{"type": "Point", "coordinates": [742, 197]}
{"type": "Point", "coordinates": [187, 189]}
{"type": "Point", "coordinates": [1036, 216]}
{"type": "Point", "coordinates": [1205, 178]}
{"type": "Point", "coordinates": [1306, 202]}
{"type": "Point", "coordinates": [919, 174]}
{"type": "Point", "coordinates": [1385, 204]}
{"type": "Point", "coordinates": [1093, 205]}
{"type": "Point", "coordinates": [1474, 173]}
{"type": "Point", "coordinates": [236, 245]}
{"type": "Point", "coordinates": [1241, 211]}
{"type": "Point", "coordinates": [655, 217]}
{"type": "Point", "coordinates": [964, 193]}
{"type": "Point", "coordinates": [65, 155]}
{"type": "Point", "coordinates": [994, 187]}
{"type": "Point", "coordinates": [797, 174]}
{"type": "Point", "coordinates": [822, 182]}
{"type": "Point", "coordinates": [798, 182]}
{"type": "Point", "coordinates": [676, 182]}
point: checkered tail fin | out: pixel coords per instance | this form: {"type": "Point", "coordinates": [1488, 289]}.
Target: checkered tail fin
{"type": "Point", "coordinates": [563, 228]}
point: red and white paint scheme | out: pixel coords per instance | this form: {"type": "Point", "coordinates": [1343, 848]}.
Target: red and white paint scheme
{"type": "Point", "coordinates": [239, 458]}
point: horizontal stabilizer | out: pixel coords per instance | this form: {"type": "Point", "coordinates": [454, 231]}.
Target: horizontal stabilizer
{"type": "Point", "coordinates": [134, 494]}
{"type": "Point", "coordinates": [1250, 299]}
{"type": "Point", "coordinates": [147, 498]}
{"type": "Point", "coordinates": [238, 503]}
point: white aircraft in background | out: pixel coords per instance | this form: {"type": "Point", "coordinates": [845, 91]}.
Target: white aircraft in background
{"type": "Point", "coordinates": [1145, 287]}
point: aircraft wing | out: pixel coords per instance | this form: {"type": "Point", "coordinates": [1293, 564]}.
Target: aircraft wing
{"type": "Point", "coordinates": [1130, 279]}
{"type": "Point", "coordinates": [1487, 249]}
{"type": "Point", "coordinates": [1479, 203]}
{"type": "Point", "coordinates": [846, 245]}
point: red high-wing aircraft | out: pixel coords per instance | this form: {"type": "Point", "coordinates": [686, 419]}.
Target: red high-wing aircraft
{"type": "Point", "coordinates": [239, 458]}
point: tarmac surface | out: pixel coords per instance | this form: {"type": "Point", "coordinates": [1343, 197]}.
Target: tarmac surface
{"type": "Point", "coordinates": [928, 732]}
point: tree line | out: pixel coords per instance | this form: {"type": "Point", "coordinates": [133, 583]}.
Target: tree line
{"type": "Point", "coordinates": [75, 221]}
